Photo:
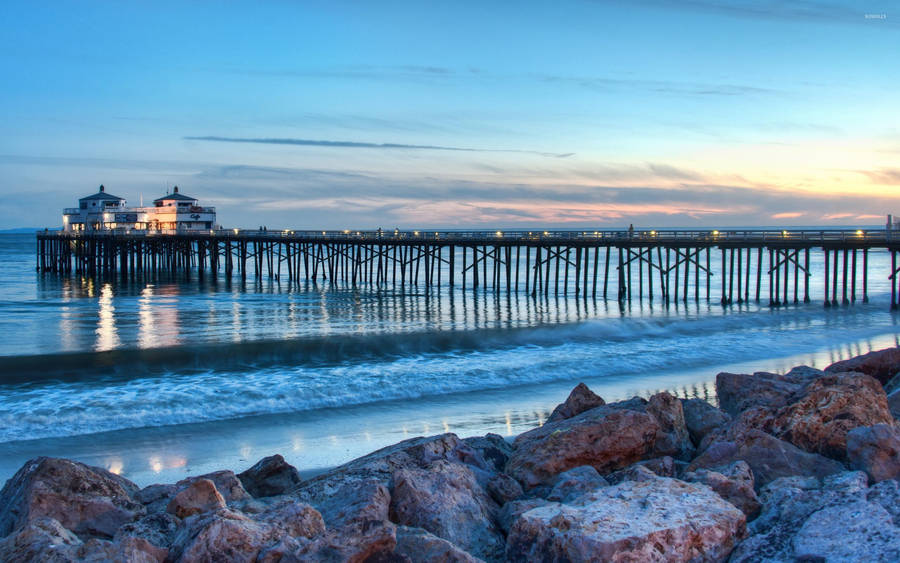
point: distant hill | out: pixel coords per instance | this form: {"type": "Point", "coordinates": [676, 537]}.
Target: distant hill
{"type": "Point", "coordinates": [19, 230]}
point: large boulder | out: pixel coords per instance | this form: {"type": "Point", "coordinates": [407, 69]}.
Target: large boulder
{"type": "Point", "coordinates": [881, 364]}
{"type": "Point", "coordinates": [420, 545]}
{"type": "Point", "coordinates": [348, 501]}
{"type": "Point", "coordinates": [198, 497]}
{"type": "Point", "coordinates": [40, 539]}
{"type": "Point", "coordinates": [768, 457]}
{"type": "Point", "coordinates": [580, 399]}
{"type": "Point", "coordinates": [576, 482]}
{"type": "Point", "coordinates": [86, 500]}
{"type": "Point", "coordinates": [607, 438]}
{"type": "Point", "coordinates": [701, 418]}
{"type": "Point", "coordinates": [656, 520]}
{"type": "Point", "coordinates": [673, 438]}
{"type": "Point", "coordinates": [226, 482]}
{"type": "Point", "coordinates": [158, 529]}
{"type": "Point", "coordinates": [875, 450]}
{"type": "Point", "coordinates": [733, 483]}
{"type": "Point", "coordinates": [740, 391]}
{"type": "Point", "coordinates": [446, 499]}
{"type": "Point", "coordinates": [806, 519]}
{"type": "Point", "coordinates": [846, 532]}
{"type": "Point", "coordinates": [270, 476]}
{"type": "Point", "coordinates": [223, 535]}
{"type": "Point", "coordinates": [818, 419]}
{"type": "Point", "coordinates": [492, 448]}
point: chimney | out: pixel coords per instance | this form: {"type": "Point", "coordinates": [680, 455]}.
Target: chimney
{"type": "Point", "coordinates": [176, 189]}
{"type": "Point", "coordinates": [102, 189]}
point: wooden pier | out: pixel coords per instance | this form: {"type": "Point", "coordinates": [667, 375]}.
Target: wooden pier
{"type": "Point", "coordinates": [624, 265]}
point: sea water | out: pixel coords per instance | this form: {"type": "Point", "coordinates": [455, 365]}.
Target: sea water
{"type": "Point", "coordinates": [175, 375]}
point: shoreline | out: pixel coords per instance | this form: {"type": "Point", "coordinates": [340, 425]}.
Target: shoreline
{"type": "Point", "coordinates": [803, 464]}
{"type": "Point", "coordinates": [314, 441]}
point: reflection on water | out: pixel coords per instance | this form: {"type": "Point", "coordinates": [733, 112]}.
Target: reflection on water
{"type": "Point", "coordinates": [107, 335]}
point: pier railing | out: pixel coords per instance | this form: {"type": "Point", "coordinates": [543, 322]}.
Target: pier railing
{"type": "Point", "coordinates": [444, 236]}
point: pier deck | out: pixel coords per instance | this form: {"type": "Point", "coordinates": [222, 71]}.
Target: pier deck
{"type": "Point", "coordinates": [646, 264]}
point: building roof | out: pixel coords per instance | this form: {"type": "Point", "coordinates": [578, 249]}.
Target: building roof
{"type": "Point", "coordinates": [102, 195]}
{"type": "Point", "coordinates": [175, 196]}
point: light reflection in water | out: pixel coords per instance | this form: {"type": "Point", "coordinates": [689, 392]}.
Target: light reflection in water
{"type": "Point", "coordinates": [146, 319]}
{"type": "Point", "coordinates": [107, 335]}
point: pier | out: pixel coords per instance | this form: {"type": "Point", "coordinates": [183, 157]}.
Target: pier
{"type": "Point", "coordinates": [671, 265]}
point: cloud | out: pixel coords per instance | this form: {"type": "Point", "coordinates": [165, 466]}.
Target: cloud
{"type": "Point", "coordinates": [788, 215]}
{"type": "Point", "coordinates": [364, 145]}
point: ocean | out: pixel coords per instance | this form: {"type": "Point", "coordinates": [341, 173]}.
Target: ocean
{"type": "Point", "coordinates": [171, 376]}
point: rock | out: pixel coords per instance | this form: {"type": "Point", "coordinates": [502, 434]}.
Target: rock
{"type": "Point", "coordinates": [607, 438]}
{"type": "Point", "coordinates": [493, 448]}
{"type": "Point", "coordinates": [294, 518]}
{"type": "Point", "coordinates": [636, 472]}
{"type": "Point", "coordinates": [739, 391]}
{"type": "Point", "coordinates": [270, 476]}
{"type": "Point", "coordinates": [887, 494]}
{"type": "Point", "coordinates": [348, 501]}
{"type": "Point", "coordinates": [446, 499]}
{"type": "Point", "coordinates": [821, 415]}
{"type": "Point", "coordinates": [673, 438]}
{"type": "Point", "coordinates": [701, 418]}
{"type": "Point", "coordinates": [768, 457]}
{"type": "Point", "coordinates": [512, 510]}
{"type": "Point", "coordinates": [788, 503]}
{"type": "Point", "coordinates": [197, 497]}
{"type": "Point", "coordinates": [359, 542]}
{"type": "Point", "coordinates": [847, 532]}
{"type": "Point", "coordinates": [580, 399]}
{"type": "Point", "coordinates": [156, 497]}
{"type": "Point", "coordinates": [658, 520]}
{"type": "Point", "coordinates": [226, 482]}
{"type": "Point", "coordinates": [894, 403]}
{"type": "Point", "coordinates": [576, 482]}
{"type": "Point", "coordinates": [420, 545]}
{"type": "Point", "coordinates": [86, 500]}
{"type": "Point", "coordinates": [223, 535]}
{"type": "Point", "coordinates": [130, 549]}
{"type": "Point", "coordinates": [40, 539]}
{"type": "Point", "coordinates": [875, 450]}
{"type": "Point", "coordinates": [805, 372]}
{"type": "Point", "coordinates": [504, 488]}
{"type": "Point", "coordinates": [733, 483]}
{"type": "Point", "coordinates": [881, 364]}
{"type": "Point", "coordinates": [158, 528]}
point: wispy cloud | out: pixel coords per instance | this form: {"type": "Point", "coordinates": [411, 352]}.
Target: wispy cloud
{"type": "Point", "coordinates": [363, 145]}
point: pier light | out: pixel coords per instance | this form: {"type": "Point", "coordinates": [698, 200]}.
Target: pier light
{"type": "Point", "coordinates": [715, 233]}
{"type": "Point", "coordinates": [784, 233]}
{"type": "Point", "coordinates": [323, 233]}
{"type": "Point", "coordinates": [416, 233]}
{"type": "Point", "coordinates": [235, 231]}
{"type": "Point", "coordinates": [546, 233]}
{"type": "Point", "coordinates": [499, 233]}
{"type": "Point", "coordinates": [859, 232]}
{"type": "Point", "coordinates": [652, 233]}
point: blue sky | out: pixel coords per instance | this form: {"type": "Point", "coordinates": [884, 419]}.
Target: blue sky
{"type": "Point", "coordinates": [575, 114]}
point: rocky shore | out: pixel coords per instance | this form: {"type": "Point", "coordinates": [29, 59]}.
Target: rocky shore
{"type": "Point", "coordinates": [802, 466]}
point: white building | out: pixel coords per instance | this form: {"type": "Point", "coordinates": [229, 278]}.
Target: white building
{"type": "Point", "coordinates": [172, 212]}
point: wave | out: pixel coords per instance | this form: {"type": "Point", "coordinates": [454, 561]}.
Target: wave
{"type": "Point", "coordinates": [342, 371]}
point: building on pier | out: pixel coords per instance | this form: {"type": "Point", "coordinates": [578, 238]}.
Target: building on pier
{"type": "Point", "coordinates": [174, 212]}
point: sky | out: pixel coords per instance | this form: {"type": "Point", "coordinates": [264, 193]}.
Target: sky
{"type": "Point", "coordinates": [565, 114]}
